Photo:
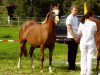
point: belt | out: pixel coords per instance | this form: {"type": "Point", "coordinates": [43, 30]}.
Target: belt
{"type": "Point", "coordinates": [75, 29]}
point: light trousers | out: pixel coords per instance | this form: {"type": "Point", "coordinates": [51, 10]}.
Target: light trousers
{"type": "Point", "coordinates": [87, 52]}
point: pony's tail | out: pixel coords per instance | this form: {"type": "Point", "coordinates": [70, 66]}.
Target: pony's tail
{"type": "Point", "coordinates": [23, 49]}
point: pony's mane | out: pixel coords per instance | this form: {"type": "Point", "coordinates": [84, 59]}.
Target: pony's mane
{"type": "Point", "coordinates": [46, 18]}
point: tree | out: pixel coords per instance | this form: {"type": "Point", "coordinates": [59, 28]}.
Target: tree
{"type": "Point", "coordinates": [94, 6]}
{"type": "Point", "coordinates": [39, 8]}
{"type": "Point", "coordinates": [66, 6]}
{"type": "Point", "coordinates": [0, 2]}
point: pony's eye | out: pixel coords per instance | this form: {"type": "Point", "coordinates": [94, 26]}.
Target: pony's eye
{"type": "Point", "coordinates": [56, 11]}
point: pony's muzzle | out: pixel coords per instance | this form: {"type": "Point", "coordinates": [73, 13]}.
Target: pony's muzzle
{"type": "Point", "coordinates": [57, 20]}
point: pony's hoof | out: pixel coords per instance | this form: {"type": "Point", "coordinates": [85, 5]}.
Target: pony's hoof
{"type": "Point", "coordinates": [33, 67]}
{"type": "Point", "coordinates": [19, 67]}
{"type": "Point", "coordinates": [50, 71]}
{"type": "Point", "coordinates": [41, 71]}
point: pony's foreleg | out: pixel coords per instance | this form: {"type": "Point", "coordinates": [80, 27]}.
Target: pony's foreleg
{"type": "Point", "coordinates": [42, 57]}
{"type": "Point", "coordinates": [19, 63]}
{"type": "Point", "coordinates": [31, 54]}
{"type": "Point", "coordinates": [50, 58]}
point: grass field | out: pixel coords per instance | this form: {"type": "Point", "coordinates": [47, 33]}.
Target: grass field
{"type": "Point", "coordinates": [9, 57]}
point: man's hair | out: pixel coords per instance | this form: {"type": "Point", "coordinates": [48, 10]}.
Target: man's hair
{"type": "Point", "coordinates": [74, 6]}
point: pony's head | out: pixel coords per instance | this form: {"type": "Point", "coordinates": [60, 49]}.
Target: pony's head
{"type": "Point", "coordinates": [55, 13]}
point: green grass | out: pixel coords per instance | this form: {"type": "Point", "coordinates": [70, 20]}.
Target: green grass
{"type": "Point", "coordinates": [9, 32]}
{"type": "Point", "coordinates": [9, 57]}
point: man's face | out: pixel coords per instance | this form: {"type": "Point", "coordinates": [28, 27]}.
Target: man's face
{"type": "Point", "coordinates": [74, 11]}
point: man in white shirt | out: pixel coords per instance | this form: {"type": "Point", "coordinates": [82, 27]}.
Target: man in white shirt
{"type": "Point", "coordinates": [72, 27]}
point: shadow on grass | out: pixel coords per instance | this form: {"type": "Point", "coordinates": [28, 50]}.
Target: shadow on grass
{"type": "Point", "coordinates": [64, 68]}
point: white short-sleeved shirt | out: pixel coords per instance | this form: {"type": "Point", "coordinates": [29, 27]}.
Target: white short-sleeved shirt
{"type": "Point", "coordinates": [72, 20]}
{"type": "Point", "coordinates": [87, 29]}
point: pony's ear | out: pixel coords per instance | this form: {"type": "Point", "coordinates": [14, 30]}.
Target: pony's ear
{"type": "Point", "coordinates": [54, 5]}
{"type": "Point", "coordinates": [51, 5]}
{"type": "Point", "coordinates": [57, 5]}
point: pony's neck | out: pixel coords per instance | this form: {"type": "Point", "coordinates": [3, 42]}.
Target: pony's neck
{"type": "Point", "coordinates": [49, 23]}
{"type": "Point", "coordinates": [46, 18]}
{"type": "Point", "coordinates": [49, 20]}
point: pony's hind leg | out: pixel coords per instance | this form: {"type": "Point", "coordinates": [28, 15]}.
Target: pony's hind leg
{"type": "Point", "coordinates": [22, 51]}
{"type": "Point", "coordinates": [20, 56]}
{"type": "Point", "coordinates": [31, 54]}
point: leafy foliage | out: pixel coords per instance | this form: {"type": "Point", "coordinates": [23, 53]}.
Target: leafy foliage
{"type": "Point", "coordinates": [39, 8]}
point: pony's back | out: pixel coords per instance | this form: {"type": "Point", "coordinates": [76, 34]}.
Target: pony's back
{"type": "Point", "coordinates": [97, 21]}
{"type": "Point", "coordinates": [24, 28]}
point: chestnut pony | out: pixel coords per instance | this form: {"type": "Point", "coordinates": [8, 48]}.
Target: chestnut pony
{"type": "Point", "coordinates": [97, 39]}
{"type": "Point", "coordinates": [39, 35]}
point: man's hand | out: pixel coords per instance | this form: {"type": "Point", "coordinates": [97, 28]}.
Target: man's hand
{"type": "Point", "coordinates": [77, 40]}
